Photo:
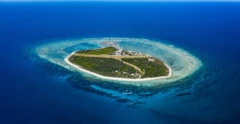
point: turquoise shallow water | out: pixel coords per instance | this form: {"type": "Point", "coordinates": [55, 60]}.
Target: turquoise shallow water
{"type": "Point", "coordinates": [34, 90]}
{"type": "Point", "coordinates": [182, 63]}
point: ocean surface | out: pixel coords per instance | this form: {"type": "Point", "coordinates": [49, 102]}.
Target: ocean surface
{"type": "Point", "coordinates": [36, 91]}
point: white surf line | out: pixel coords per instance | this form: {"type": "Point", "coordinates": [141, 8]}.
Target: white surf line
{"type": "Point", "coordinates": [115, 78]}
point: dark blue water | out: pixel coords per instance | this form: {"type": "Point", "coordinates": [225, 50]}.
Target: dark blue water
{"type": "Point", "coordinates": [34, 92]}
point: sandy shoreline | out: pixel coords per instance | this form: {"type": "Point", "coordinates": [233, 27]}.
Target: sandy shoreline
{"type": "Point", "coordinates": [115, 78]}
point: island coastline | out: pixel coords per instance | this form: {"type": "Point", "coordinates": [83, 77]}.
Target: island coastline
{"type": "Point", "coordinates": [115, 78]}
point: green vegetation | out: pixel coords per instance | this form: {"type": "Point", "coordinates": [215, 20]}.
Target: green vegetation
{"type": "Point", "coordinates": [105, 66]}
{"type": "Point", "coordinates": [125, 64]}
{"type": "Point", "coordinates": [106, 50]}
{"type": "Point", "coordinates": [154, 68]}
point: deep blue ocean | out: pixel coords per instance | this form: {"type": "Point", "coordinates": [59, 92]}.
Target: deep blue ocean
{"type": "Point", "coordinates": [36, 92]}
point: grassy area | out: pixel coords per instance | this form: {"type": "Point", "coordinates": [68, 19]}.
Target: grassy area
{"type": "Point", "coordinates": [105, 66]}
{"type": "Point", "coordinates": [132, 66]}
{"type": "Point", "coordinates": [149, 68]}
{"type": "Point", "coordinates": [101, 51]}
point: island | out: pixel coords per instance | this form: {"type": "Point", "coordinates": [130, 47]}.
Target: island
{"type": "Point", "coordinates": [111, 62]}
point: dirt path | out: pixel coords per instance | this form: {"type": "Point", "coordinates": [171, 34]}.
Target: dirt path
{"type": "Point", "coordinates": [119, 58]}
